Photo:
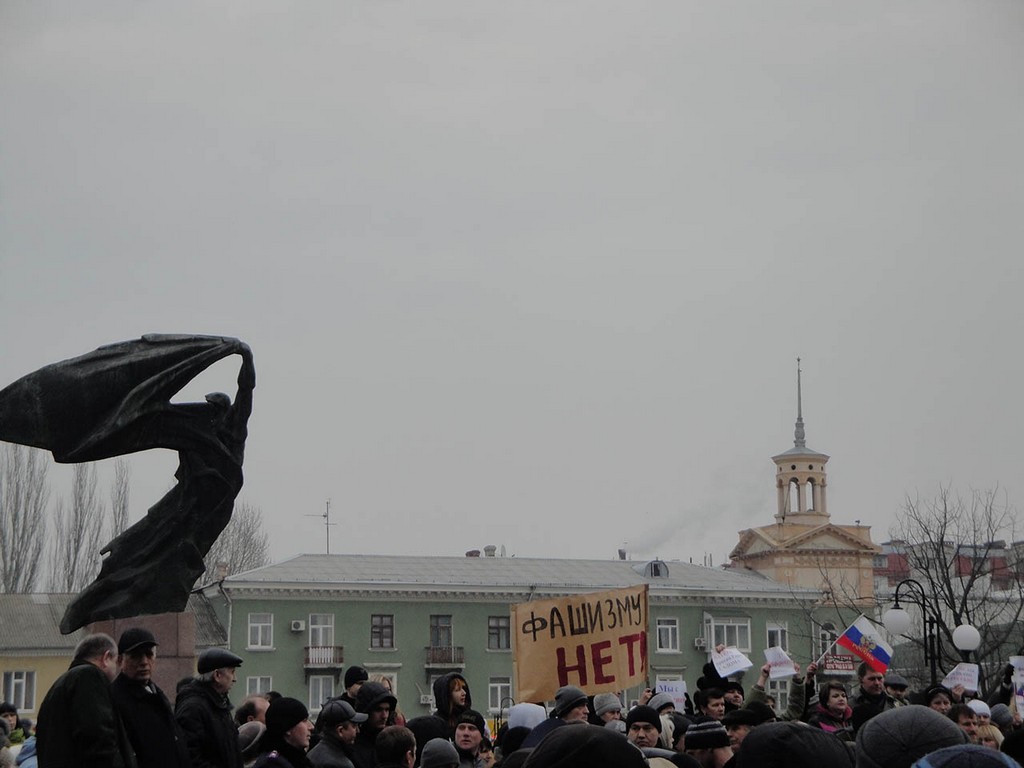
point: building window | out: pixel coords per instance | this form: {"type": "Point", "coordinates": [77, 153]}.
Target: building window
{"type": "Point", "coordinates": [498, 633]}
{"type": "Point", "coordinates": [778, 635]}
{"type": "Point", "coordinates": [20, 689]}
{"type": "Point", "coordinates": [321, 688]}
{"type": "Point", "coordinates": [261, 630]}
{"type": "Point", "coordinates": [254, 685]}
{"type": "Point", "coordinates": [382, 630]}
{"type": "Point", "coordinates": [668, 635]}
{"type": "Point", "coordinates": [499, 689]}
{"type": "Point", "coordinates": [827, 637]}
{"type": "Point", "coordinates": [730, 632]}
{"type": "Point", "coordinates": [780, 690]}
{"type": "Point", "coordinates": [321, 630]}
{"type": "Point", "coordinates": [441, 631]}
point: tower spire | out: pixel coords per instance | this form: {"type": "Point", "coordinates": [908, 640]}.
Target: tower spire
{"type": "Point", "coordinates": [798, 433]}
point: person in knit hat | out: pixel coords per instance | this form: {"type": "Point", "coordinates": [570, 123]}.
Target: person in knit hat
{"type": "Point", "coordinates": [707, 742]}
{"type": "Point", "coordinates": [662, 702]}
{"type": "Point", "coordinates": [250, 741]}
{"type": "Point", "coordinates": [898, 737]}
{"type": "Point", "coordinates": [585, 745]}
{"type": "Point", "coordinates": [966, 756]}
{"type": "Point", "coordinates": [981, 710]}
{"type": "Point", "coordinates": [570, 707]}
{"type": "Point", "coordinates": [439, 753]}
{"type": "Point", "coordinates": [1002, 717]}
{"type": "Point", "coordinates": [287, 737]}
{"type": "Point", "coordinates": [607, 707]}
{"type": "Point", "coordinates": [792, 745]}
{"type": "Point", "coordinates": [643, 726]}
{"type": "Point", "coordinates": [354, 678]}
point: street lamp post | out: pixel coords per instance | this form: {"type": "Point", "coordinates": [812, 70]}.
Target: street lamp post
{"type": "Point", "coordinates": [966, 638]}
{"type": "Point", "coordinates": [898, 622]}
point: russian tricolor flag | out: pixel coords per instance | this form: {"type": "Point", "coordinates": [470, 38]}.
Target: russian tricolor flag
{"type": "Point", "coordinates": [863, 640]}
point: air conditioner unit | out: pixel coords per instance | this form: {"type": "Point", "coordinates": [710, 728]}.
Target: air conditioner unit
{"type": "Point", "coordinates": [298, 625]}
{"type": "Point", "coordinates": [427, 699]}
{"type": "Point", "coordinates": [700, 643]}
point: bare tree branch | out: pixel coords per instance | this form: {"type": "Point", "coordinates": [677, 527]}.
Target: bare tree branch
{"type": "Point", "coordinates": [242, 546]}
{"type": "Point", "coordinates": [78, 534]}
{"type": "Point", "coordinates": [119, 497]}
{"type": "Point", "coordinates": [24, 498]}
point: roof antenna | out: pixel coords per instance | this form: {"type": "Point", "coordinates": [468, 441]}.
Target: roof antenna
{"type": "Point", "coordinates": [327, 523]}
{"type": "Point", "coordinates": [798, 433]}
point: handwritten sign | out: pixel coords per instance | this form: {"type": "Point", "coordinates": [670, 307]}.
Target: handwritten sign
{"type": "Point", "coordinates": [962, 674]}
{"type": "Point", "coordinates": [674, 688]}
{"type": "Point", "coordinates": [730, 661]}
{"type": "Point", "coordinates": [596, 641]}
{"type": "Point", "coordinates": [780, 663]}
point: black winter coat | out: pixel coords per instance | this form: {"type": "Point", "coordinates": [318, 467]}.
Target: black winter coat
{"type": "Point", "coordinates": [150, 725]}
{"type": "Point", "coordinates": [78, 726]}
{"type": "Point", "coordinates": [210, 732]}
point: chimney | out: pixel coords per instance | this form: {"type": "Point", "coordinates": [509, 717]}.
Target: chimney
{"type": "Point", "coordinates": [473, 553]}
{"type": "Point", "coordinates": [622, 554]}
{"type": "Point", "coordinates": [222, 570]}
{"type": "Point", "coordinates": [489, 550]}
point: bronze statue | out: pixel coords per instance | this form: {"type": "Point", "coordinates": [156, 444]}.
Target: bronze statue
{"type": "Point", "coordinates": [114, 401]}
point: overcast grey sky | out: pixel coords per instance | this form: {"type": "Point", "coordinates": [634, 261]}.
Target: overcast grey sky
{"type": "Point", "coordinates": [536, 273]}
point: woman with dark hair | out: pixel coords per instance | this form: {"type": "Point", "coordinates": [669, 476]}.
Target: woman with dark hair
{"type": "Point", "coordinates": [832, 713]}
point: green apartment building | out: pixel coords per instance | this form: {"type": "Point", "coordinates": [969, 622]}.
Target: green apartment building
{"type": "Point", "coordinates": [300, 623]}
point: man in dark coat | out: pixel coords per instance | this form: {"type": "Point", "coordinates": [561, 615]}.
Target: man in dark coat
{"type": "Point", "coordinates": [339, 725]}
{"type": "Point", "coordinates": [143, 707]}
{"type": "Point", "coordinates": [78, 725]}
{"type": "Point", "coordinates": [378, 704]}
{"type": "Point", "coordinates": [203, 712]}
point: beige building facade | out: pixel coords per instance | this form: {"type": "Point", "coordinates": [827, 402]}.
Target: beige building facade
{"type": "Point", "coordinates": [803, 547]}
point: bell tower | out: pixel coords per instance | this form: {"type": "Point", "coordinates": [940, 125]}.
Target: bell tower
{"type": "Point", "coordinates": [800, 480]}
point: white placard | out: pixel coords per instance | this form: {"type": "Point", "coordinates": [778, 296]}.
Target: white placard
{"type": "Point", "coordinates": [780, 663]}
{"type": "Point", "coordinates": [1018, 663]}
{"type": "Point", "coordinates": [962, 674]}
{"type": "Point", "coordinates": [674, 688]}
{"type": "Point", "coordinates": [730, 661]}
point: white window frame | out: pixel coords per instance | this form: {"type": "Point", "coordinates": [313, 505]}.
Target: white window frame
{"type": "Point", "coordinates": [780, 690]}
{"type": "Point", "coordinates": [20, 689]}
{"type": "Point", "coordinates": [733, 629]}
{"type": "Point", "coordinates": [263, 624]}
{"type": "Point", "coordinates": [670, 625]}
{"type": "Point", "coordinates": [833, 634]}
{"type": "Point", "coordinates": [499, 689]}
{"type": "Point", "coordinates": [322, 624]}
{"type": "Point", "coordinates": [321, 688]}
{"type": "Point", "coordinates": [501, 631]}
{"type": "Point", "coordinates": [781, 631]}
{"type": "Point", "coordinates": [258, 684]}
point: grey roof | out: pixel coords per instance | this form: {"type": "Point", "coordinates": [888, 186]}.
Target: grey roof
{"type": "Point", "coordinates": [797, 451]}
{"type": "Point", "coordinates": [494, 573]}
{"type": "Point", "coordinates": [31, 623]}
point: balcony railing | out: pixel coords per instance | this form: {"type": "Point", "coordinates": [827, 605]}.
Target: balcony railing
{"type": "Point", "coordinates": [325, 656]}
{"type": "Point", "coordinates": [445, 655]}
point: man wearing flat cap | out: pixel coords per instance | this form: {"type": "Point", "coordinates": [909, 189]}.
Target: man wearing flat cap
{"type": "Point", "coordinates": [203, 712]}
{"type": "Point", "coordinates": [145, 711]}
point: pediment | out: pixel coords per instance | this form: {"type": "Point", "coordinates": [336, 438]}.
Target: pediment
{"type": "Point", "coordinates": [753, 541]}
{"type": "Point", "coordinates": [828, 536]}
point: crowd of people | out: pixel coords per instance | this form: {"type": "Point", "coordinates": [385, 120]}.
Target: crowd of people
{"type": "Point", "coordinates": [106, 712]}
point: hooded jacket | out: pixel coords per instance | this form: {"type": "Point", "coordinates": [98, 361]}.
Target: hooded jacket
{"type": "Point", "coordinates": [446, 709]}
{"type": "Point", "coordinates": [828, 722]}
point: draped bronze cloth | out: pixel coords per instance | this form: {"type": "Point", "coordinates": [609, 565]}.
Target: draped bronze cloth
{"type": "Point", "coordinates": [115, 401]}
